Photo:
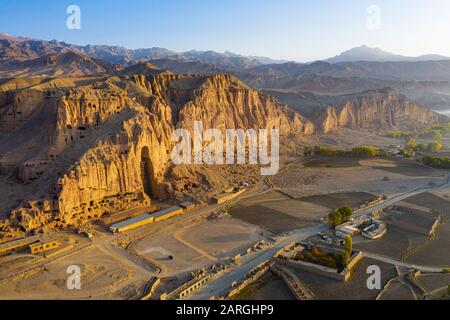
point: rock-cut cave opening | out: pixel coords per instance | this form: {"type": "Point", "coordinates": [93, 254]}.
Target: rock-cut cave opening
{"type": "Point", "coordinates": [147, 172]}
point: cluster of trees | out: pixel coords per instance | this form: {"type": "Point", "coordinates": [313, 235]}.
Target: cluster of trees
{"type": "Point", "coordinates": [327, 259]}
{"type": "Point", "coordinates": [434, 146]}
{"type": "Point", "coordinates": [340, 216]}
{"type": "Point", "coordinates": [316, 255]}
{"type": "Point", "coordinates": [402, 134]}
{"type": "Point", "coordinates": [433, 132]}
{"type": "Point", "coordinates": [436, 162]}
{"type": "Point", "coordinates": [365, 152]}
{"type": "Point", "coordinates": [357, 152]}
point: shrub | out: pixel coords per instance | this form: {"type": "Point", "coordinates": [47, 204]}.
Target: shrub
{"type": "Point", "coordinates": [343, 260]}
{"type": "Point", "coordinates": [434, 146]}
{"type": "Point", "coordinates": [421, 147]}
{"type": "Point", "coordinates": [348, 245]}
{"type": "Point", "coordinates": [307, 151]}
{"type": "Point", "coordinates": [441, 163]}
{"type": "Point", "coordinates": [412, 144]}
{"type": "Point", "coordinates": [316, 252]}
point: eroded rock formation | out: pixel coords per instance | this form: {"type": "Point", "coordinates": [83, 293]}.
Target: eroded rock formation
{"type": "Point", "coordinates": [81, 148]}
{"type": "Point", "coordinates": [376, 109]}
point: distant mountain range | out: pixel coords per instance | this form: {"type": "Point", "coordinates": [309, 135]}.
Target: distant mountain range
{"type": "Point", "coordinates": [23, 48]}
{"type": "Point", "coordinates": [425, 78]}
{"type": "Point", "coordinates": [20, 48]}
{"type": "Point", "coordinates": [364, 53]}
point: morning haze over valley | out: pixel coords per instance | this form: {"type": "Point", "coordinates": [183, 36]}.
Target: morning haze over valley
{"type": "Point", "coordinates": [200, 150]}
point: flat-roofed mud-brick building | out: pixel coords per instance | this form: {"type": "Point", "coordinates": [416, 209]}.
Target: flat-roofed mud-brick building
{"type": "Point", "coordinates": [43, 245]}
{"type": "Point", "coordinates": [16, 245]}
{"type": "Point", "coordinates": [33, 245]}
{"type": "Point", "coordinates": [145, 219]}
{"type": "Point", "coordinates": [132, 223]}
{"type": "Point", "coordinates": [187, 205]}
{"type": "Point", "coordinates": [167, 213]}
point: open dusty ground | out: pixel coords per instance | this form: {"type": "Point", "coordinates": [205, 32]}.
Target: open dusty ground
{"type": "Point", "coordinates": [434, 252]}
{"type": "Point", "coordinates": [408, 237]}
{"type": "Point", "coordinates": [222, 238]}
{"type": "Point", "coordinates": [434, 282]}
{"type": "Point", "coordinates": [13, 262]}
{"type": "Point", "coordinates": [334, 162]}
{"type": "Point", "coordinates": [421, 224]}
{"type": "Point", "coordinates": [444, 194]}
{"type": "Point", "coordinates": [378, 177]}
{"type": "Point", "coordinates": [336, 200]}
{"type": "Point", "coordinates": [397, 290]}
{"type": "Point", "coordinates": [278, 213]}
{"type": "Point", "coordinates": [200, 244]}
{"type": "Point", "coordinates": [437, 202]}
{"type": "Point", "coordinates": [159, 248]}
{"type": "Point", "coordinates": [101, 275]}
{"type": "Point", "coordinates": [396, 243]}
{"type": "Point", "coordinates": [268, 287]}
{"type": "Point", "coordinates": [356, 289]}
{"type": "Point", "coordinates": [346, 138]}
{"type": "Point", "coordinates": [296, 208]}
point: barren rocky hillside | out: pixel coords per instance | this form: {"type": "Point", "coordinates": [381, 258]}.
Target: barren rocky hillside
{"type": "Point", "coordinates": [373, 109]}
{"type": "Point", "coordinates": [73, 148]}
{"type": "Point", "coordinates": [58, 64]}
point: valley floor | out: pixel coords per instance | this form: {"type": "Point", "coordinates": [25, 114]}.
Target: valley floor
{"type": "Point", "coordinates": [288, 206]}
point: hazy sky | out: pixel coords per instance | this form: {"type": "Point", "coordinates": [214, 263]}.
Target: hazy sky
{"type": "Point", "coordinates": [286, 29]}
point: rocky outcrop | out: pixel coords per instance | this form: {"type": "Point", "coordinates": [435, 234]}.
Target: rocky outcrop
{"type": "Point", "coordinates": [375, 109]}
{"type": "Point", "coordinates": [105, 146]}
{"type": "Point", "coordinates": [386, 109]}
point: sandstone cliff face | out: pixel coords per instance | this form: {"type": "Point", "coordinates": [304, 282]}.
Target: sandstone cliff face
{"type": "Point", "coordinates": [82, 150]}
{"type": "Point", "coordinates": [251, 109]}
{"type": "Point", "coordinates": [378, 109]}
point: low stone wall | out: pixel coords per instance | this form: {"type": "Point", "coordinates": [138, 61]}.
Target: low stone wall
{"type": "Point", "coordinates": [311, 267]}
{"type": "Point", "coordinates": [189, 287]}
{"type": "Point", "coordinates": [354, 260]}
{"type": "Point", "coordinates": [227, 196]}
{"type": "Point", "coordinates": [254, 275]}
{"type": "Point", "coordinates": [322, 270]}
{"type": "Point", "coordinates": [154, 286]}
{"type": "Point", "coordinates": [194, 286]}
